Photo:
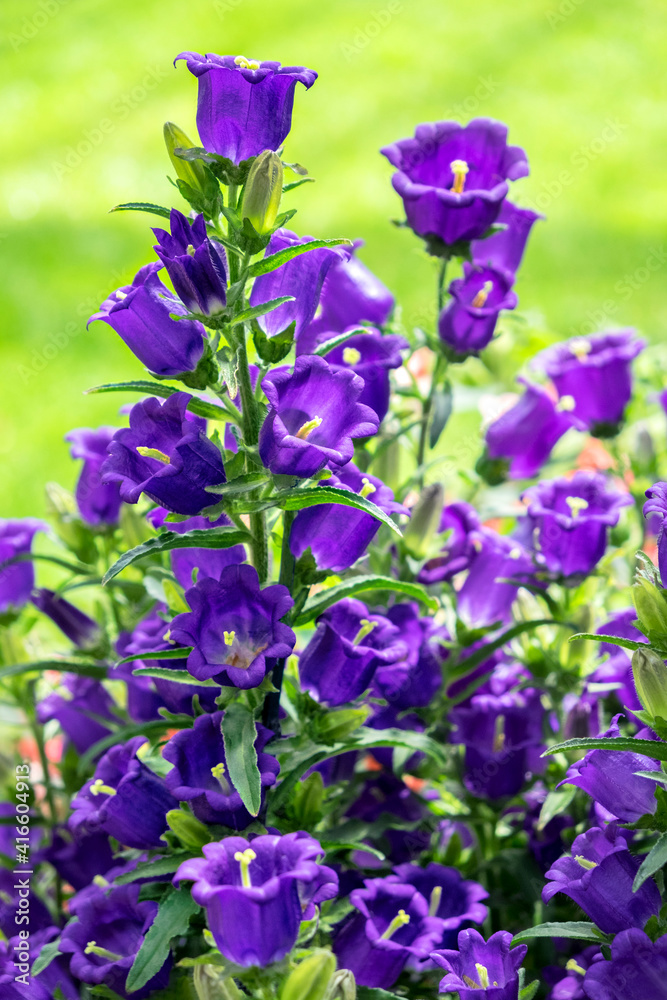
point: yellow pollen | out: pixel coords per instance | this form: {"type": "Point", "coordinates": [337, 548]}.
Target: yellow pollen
{"type": "Point", "coordinates": [351, 356]}
{"type": "Point", "coordinates": [482, 295]}
{"type": "Point", "coordinates": [100, 881]}
{"type": "Point", "coordinates": [218, 772]}
{"type": "Point", "coordinates": [191, 250]}
{"type": "Point", "coordinates": [576, 504]}
{"type": "Point", "coordinates": [366, 488]}
{"type": "Point", "coordinates": [580, 347]}
{"type": "Point", "coordinates": [308, 427]}
{"type": "Point", "coordinates": [99, 788]}
{"type": "Point", "coordinates": [92, 948]}
{"type": "Point", "coordinates": [155, 453]}
{"type": "Point", "coordinates": [244, 858]}
{"type": "Point", "coordinates": [229, 637]}
{"type": "Point", "coordinates": [459, 168]}
{"type": "Point", "coordinates": [121, 295]}
{"type": "Point", "coordinates": [244, 63]}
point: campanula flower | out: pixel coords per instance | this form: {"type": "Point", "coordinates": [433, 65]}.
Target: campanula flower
{"type": "Point", "coordinates": [637, 970]}
{"type": "Point", "coordinates": [370, 355]}
{"type": "Point", "coordinates": [467, 324]}
{"type": "Point", "coordinates": [482, 970]}
{"type": "Point", "coordinates": [504, 250]}
{"type": "Point", "coordinates": [98, 502]}
{"type": "Point", "coordinates": [79, 709]}
{"type": "Point", "coordinates": [196, 264]}
{"type": "Point", "coordinates": [79, 628]}
{"type": "Point", "coordinates": [657, 505]}
{"type": "Point", "coordinates": [17, 581]}
{"type": "Point", "coordinates": [486, 597]}
{"type": "Point", "coordinates": [412, 680]}
{"type": "Point", "coordinates": [457, 522]}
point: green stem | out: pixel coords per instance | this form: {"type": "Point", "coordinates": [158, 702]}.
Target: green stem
{"type": "Point", "coordinates": [438, 372]}
{"type": "Point", "coordinates": [259, 545]}
{"type": "Point", "coordinates": [271, 713]}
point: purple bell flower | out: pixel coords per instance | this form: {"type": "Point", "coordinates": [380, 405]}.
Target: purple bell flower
{"type": "Point", "coordinates": [503, 740]}
{"type": "Point", "coordinates": [165, 454]}
{"type": "Point", "coordinates": [123, 799]}
{"type": "Point", "coordinates": [370, 355]}
{"type": "Point", "coordinates": [301, 277]}
{"type": "Point", "coordinates": [314, 413]}
{"type": "Point", "coordinates": [466, 326]}
{"type": "Point", "coordinates": [389, 796]}
{"type": "Point", "coordinates": [17, 581]}
{"type": "Point", "coordinates": [598, 877]}
{"type": "Point", "coordinates": [244, 105]}
{"type": "Point", "coordinates": [657, 505]}
{"type": "Point", "coordinates": [337, 536]}
{"type": "Point", "coordinates": [458, 521]}
{"type": "Point", "coordinates": [78, 859]}
{"type": "Point", "coordinates": [482, 970]}
{"type": "Point", "coordinates": [338, 663]}
{"type": "Point", "coordinates": [199, 775]}
{"type": "Point", "coordinates": [455, 900]}
{"type": "Point", "coordinates": [569, 982]}
{"type": "Point", "coordinates": [190, 565]}
{"type": "Point", "coordinates": [103, 942]}
{"type": "Point", "coordinates": [197, 265]}
{"type": "Point", "coordinates": [485, 597]}
{"type": "Point", "coordinates": [609, 777]}
{"type": "Point", "coordinates": [391, 926]}
{"type": "Point", "coordinates": [524, 436]}
{"type": "Point", "coordinates": [637, 970]}
{"type": "Point", "coordinates": [615, 663]}
{"type": "Point", "coordinates": [413, 680]}
{"type": "Point", "coordinates": [140, 314]}
{"type": "Point", "coordinates": [257, 892]}
{"type": "Point", "coordinates": [78, 710]}
{"type": "Point", "coordinates": [504, 250]}
{"type": "Point", "coordinates": [98, 502]}
{"type": "Point", "coordinates": [234, 627]}
{"type": "Point", "coordinates": [77, 626]}
{"type": "Point", "coordinates": [594, 371]}
{"type": "Point", "coordinates": [570, 520]}
{"type": "Point", "coordinates": [453, 179]}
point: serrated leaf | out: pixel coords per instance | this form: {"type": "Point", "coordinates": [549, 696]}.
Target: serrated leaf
{"type": "Point", "coordinates": [79, 667]}
{"type": "Point", "coordinates": [275, 260]}
{"type": "Point", "coordinates": [177, 676]}
{"type": "Point", "coordinates": [171, 920]}
{"type": "Point", "coordinates": [654, 860]}
{"type": "Point", "coordinates": [656, 749]}
{"type": "Point", "coordinates": [199, 406]}
{"type": "Point", "coordinates": [223, 537]}
{"type": "Point", "coordinates": [440, 413]}
{"type": "Point", "coordinates": [142, 206]}
{"type": "Point", "coordinates": [155, 867]}
{"type": "Point", "coordinates": [261, 310]}
{"type": "Point", "coordinates": [298, 499]}
{"type": "Point", "coordinates": [239, 733]}
{"type": "Point", "coordinates": [614, 640]}
{"type": "Point", "coordinates": [580, 930]}
{"type": "Point", "coordinates": [357, 585]}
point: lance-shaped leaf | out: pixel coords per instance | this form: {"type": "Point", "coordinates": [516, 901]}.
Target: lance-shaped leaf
{"type": "Point", "coordinates": [142, 206]}
{"type": "Point", "coordinates": [223, 537]}
{"type": "Point", "coordinates": [580, 930]}
{"type": "Point", "coordinates": [177, 676]}
{"type": "Point", "coordinates": [171, 920]}
{"type": "Point", "coordinates": [357, 585]}
{"type": "Point", "coordinates": [239, 733]}
{"type": "Point", "coordinates": [242, 484]}
{"type": "Point", "coordinates": [275, 260]}
{"type": "Point", "coordinates": [613, 640]}
{"type": "Point", "coordinates": [464, 666]}
{"type": "Point", "coordinates": [330, 345]}
{"type": "Point", "coordinates": [83, 668]}
{"type": "Point", "coordinates": [299, 498]}
{"type": "Point", "coordinates": [180, 653]}
{"type": "Point", "coordinates": [653, 862]}
{"type": "Point", "coordinates": [656, 749]}
{"type": "Point", "coordinates": [199, 406]}
{"type": "Point", "coordinates": [261, 310]}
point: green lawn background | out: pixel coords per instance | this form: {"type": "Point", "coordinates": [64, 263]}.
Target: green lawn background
{"type": "Point", "coordinates": [581, 85]}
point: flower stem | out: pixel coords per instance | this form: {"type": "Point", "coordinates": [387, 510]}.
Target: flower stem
{"type": "Point", "coordinates": [438, 372]}
{"type": "Point", "coordinates": [271, 713]}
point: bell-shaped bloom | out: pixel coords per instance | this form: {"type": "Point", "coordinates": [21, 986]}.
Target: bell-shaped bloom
{"type": "Point", "coordinates": [351, 294]}
{"type": "Point", "coordinates": [482, 970]}
{"type": "Point", "coordinates": [486, 596]}
{"type": "Point", "coordinates": [453, 178]}
{"type": "Point", "coordinates": [77, 626]}
{"type": "Point", "coordinates": [146, 695]}
{"type": "Point", "coordinates": [637, 970]}
{"type": "Point", "coordinates": [610, 777]}
{"type": "Point", "coordinates": [244, 105]}
{"type": "Point", "coordinates": [414, 679]}
{"type": "Point", "coordinates": [79, 709]}
{"type": "Point", "coordinates": [657, 505]}
{"type": "Point", "coordinates": [17, 984]}
{"type": "Point", "coordinates": [337, 536]}
{"type": "Point", "coordinates": [568, 983]}
{"type": "Point", "coordinates": [141, 313]}
{"type": "Point", "coordinates": [78, 859]}
{"type": "Point", "coordinates": [522, 438]}
{"type": "Point", "coordinates": [124, 799]}
{"type": "Point", "coordinates": [615, 662]}
{"type": "Point", "coordinates": [98, 502]}
{"type": "Point", "coordinates": [196, 264]}
{"type": "Point", "coordinates": [466, 326]}
{"type": "Point", "coordinates": [370, 355]}
{"type": "Point", "coordinates": [103, 942]}
{"type": "Point", "coordinates": [455, 900]}
{"type": "Point", "coordinates": [504, 250]}
{"type": "Point", "coordinates": [200, 775]}
{"type": "Point", "coordinates": [457, 522]}
{"type": "Point", "coordinates": [17, 580]}
{"type": "Point", "coordinates": [502, 736]}
{"type": "Point", "coordinates": [257, 892]}
{"type": "Point", "coordinates": [338, 663]}
{"type": "Point", "coordinates": [570, 519]}
{"type": "Point", "coordinates": [190, 565]}
{"type": "Point", "coordinates": [234, 627]}
{"type": "Point", "coordinates": [301, 277]}
{"type": "Point", "coordinates": [389, 796]}
{"type": "Point", "coordinates": [314, 413]}
{"type": "Point", "coordinates": [598, 877]}
{"type": "Point", "coordinates": [165, 454]}
{"type": "Point", "coordinates": [392, 925]}
{"type": "Point", "coordinates": [595, 372]}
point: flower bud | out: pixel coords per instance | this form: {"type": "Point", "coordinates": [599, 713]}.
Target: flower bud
{"type": "Point", "coordinates": [188, 829]}
{"type": "Point", "coordinates": [335, 726]}
{"type": "Point", "coordinates": [211, 983]}
{"type": "Point", "coordinates": [343, 986]}
{"type": "Point", "coordinates": [424, 521]}
{"type": "Point", "coordinates": [311, 979]}
{"type": "Point", "coordinates": [263, 191]}
{"type": "Point", "coordinates": [650, 674]}
{"type": "Point", "coordinates": [191, 172]}
{"type": "Point", "coordinates": [651, 606]}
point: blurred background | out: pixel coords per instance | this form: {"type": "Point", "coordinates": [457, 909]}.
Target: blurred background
{"type": "Point", "coordinates": [87, 84]}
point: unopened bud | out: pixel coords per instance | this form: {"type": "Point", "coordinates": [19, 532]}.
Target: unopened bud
{"type": "Point", "coordinates": [343, 986]}
{"type": "Point", "coordinates": [188, 829]}
{"type": "Point", "coordinates": [651, 606]}
{"type": "Point", "coordinates": [311, 978]}
{"type": "Point", "coordinates": [424, 521]}
{"type": "Point", "coordinates": [263, 191]}
{"type": "Point", "coordinates": [650, 674]}
{"type": "Point", "coordinates": [335, 726]}
{"type": "Point", "coordinates": [189, 171]}
{"type": "Point", "coordinates": [211, 983]}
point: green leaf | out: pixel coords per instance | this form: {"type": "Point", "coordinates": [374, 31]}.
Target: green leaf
{"type": "Point", "coordinates": [529, 991]}
{"type": "Point", "coordinates": [295, 184]}
{"type": "Point", "coordinates": [656, 749]}
{"type": "Point", "coordinates": [171, 920]}
{"type": "Point", "coordinates": [464, 667]}
{"type": "Point", "coordinates": [181, 653]}
{"type": "Point", "coordinates": [275, 260]}
{"type": "Point", "coordinates": [299, 498]}
{"type": "Point", "coordinates": [357, 585]}
{"type": "Point", "coordinates": [261, 310]}
{"type": "Point", "coordinates": [46, 955]}
{"type": "Point", "coordinates": [654, 860]}
{"type": "Point", "coordinates": [82, 668]}
{"type": "Point", "coordinates": [239, 733]}
{"type": "Point", "coordinates": [333, 846]}
{"type": "Point", "coordinates": [371, 993]}
{"type": "Point", "coordinates": [242, 484]}
{"type": "Point", "coordinates": [177, 676]}
{"type": "Point", "coordinates": [201, 538]}
{"type": "Point", "coordinates": [441, 412]}
{"type": "Point", "coordinates": [613, 639]}
{"type": "Point", "coordinates": [38, 557]}
{"type": "Point", "coordinates": [142, 206]}
{"type": "Point", "coordinates": [658, 776]}
{"type": "Point", "coordinates": [202, 407]}
{"type": "Point", "coordinates": [155, 867]}
{"type": "Point", "coordinates": [581, 930]}
{"type": "Point", "coordinates": [330, 345]}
